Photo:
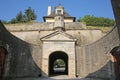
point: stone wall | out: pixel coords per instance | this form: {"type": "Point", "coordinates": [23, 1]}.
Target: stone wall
{"type": "Point", "coordinates": [45, 26]}
{"type": "Point", "coordinates": [84, 36]}
{"type": "Point", "coordinates": [67, 47]}
{"type": "Point", "coordinates": [116, 10]}
{"type": "Point", "coordinates": [93, 60]}
{"type": "Point", "coordinates": [19, 62]}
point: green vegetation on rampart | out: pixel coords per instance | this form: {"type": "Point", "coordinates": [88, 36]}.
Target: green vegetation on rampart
{"type": "Point", "coordinates": [91, 20]}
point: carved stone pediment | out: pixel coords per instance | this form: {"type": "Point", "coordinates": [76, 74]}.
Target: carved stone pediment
{"type": "Point", "coordinates": [58, 36]}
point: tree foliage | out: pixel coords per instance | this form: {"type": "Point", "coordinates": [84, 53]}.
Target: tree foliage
{"type": "Point", "coordinates": [97, 21]}
{"type": "Point", "coordinates": [13, 21]}
{"type": "Point", "coordinates": [59, 63]}
{"type": "Point", "coordinates": [28, 16]}
{"type": "Point", "coordinates": [20, 18]}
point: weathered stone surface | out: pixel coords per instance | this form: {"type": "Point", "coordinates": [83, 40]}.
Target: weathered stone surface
{"type": "Point", "coordinates": [29, 57]}
{"type": "Point", "coordinates": [59, 42]}
{"type": "Point", "coordinates": [19, 61]}
{"type": "Point", "coordinates": [43, 26]}
{"type": "Point", "coordinates": [93, 60]}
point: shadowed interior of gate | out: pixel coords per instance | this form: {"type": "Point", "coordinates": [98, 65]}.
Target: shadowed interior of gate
{"type": "Point", "coordinates": [58, 55]}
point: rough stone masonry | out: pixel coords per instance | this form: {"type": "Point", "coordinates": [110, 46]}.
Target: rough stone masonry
{"type": "Point", "coordinates": [31, 49]}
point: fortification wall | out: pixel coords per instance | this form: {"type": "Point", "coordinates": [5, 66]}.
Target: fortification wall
{"type": "Point", "coordinates": [42, 26]}
{"type": "Point", "coordinates": [29, 27]}
{"type": "Point", "coordinates": [93, 60]}
{"type": "Point", "coordinates": [84, 36]}
{"type": "Point", "coordinates": [19, 62]}
{"type": "Point", "coordinates": [32, 32]}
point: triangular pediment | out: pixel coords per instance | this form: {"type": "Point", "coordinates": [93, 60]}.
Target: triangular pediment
{"type": "Point", "coordinates": [58, 36]}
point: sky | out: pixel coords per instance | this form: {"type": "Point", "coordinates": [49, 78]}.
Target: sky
{"type": "Point", "coordinates": [77, 8]}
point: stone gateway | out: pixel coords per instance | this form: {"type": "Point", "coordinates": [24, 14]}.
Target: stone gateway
{"type": "Point", "coordinates": [33, 51]}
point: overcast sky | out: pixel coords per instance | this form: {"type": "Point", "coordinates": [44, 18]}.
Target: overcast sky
{"type": "Point", "coordinates": [77, 8]}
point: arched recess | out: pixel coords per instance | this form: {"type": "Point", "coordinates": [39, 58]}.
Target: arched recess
{"type": "Point", "coordinates": [2, 60]}
{"type": "Point", "coordinates": [116, 59]}
{"type": "Point", "coordinates": [55, 56]}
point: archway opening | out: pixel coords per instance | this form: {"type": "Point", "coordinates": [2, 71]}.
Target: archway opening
{"type": "Point", "coordinates": [116, 59]}
{"type": "Point", "coordinates": [58, 63]}
{"type": "Point", "coordinates": [2, 60]}
{"type": "Point", "coordinates": [59, 66]}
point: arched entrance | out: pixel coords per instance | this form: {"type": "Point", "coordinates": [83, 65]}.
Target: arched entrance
{"type": "Point", "coordinates": [58, 63]}
{"type": "Point", "coordinates": [2, 58]}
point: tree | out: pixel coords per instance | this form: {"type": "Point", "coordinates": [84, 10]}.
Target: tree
{"type": "Point", "coordinates": [97, 21]}
{"type": "Point", "coordinates": [13, 21]}
{"type": "Point", "coordinates": [30, 14]}
{"type": "Point", "coordinates": [59, 63]}
{"type": "Point", "coordinates": [20, 18]}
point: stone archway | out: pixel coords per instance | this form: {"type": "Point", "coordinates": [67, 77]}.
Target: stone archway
{"type": "Point", "coordinates": [55, 56]}
{"type": "Point", "coordinates": [2, 58]}
{"type": "Point", "coordinates": [116, 58]}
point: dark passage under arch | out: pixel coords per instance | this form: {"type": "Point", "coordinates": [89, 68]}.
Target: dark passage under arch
{"type": "Point", "coordinates": [58, 55]}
